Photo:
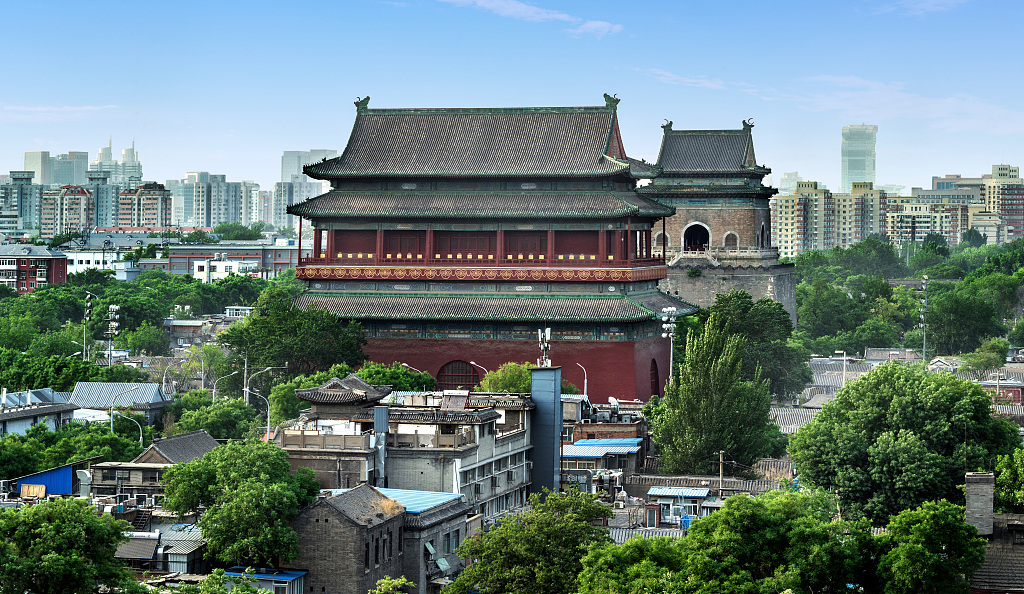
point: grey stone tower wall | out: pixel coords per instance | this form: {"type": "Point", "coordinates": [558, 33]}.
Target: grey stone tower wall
{"type": "Point", "coordinates": [980, 486]}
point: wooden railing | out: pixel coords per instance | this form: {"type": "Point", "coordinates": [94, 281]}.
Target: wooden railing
{"type": "Point", "coordinates": [487, 260]}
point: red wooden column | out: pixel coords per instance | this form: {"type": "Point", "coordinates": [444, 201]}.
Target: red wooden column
{"type": "Point", "coordinates": [379, 255]}
{"type": "Point", "coordinates": [430, 244]}
{"type": "Point", "coordinates": [318, 246]}
{"type": "Point", "coordinates": [330, 243]}
{"type": "Point", "coordinates": [501, 245]}
{"type": "Point", "coordinates": [648, 236]}
{"type": "Point", "coordinates": [602, 247]}
{"type": "Point", "coordinates": [551, 246]}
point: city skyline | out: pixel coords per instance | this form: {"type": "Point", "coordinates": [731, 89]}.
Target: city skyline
{"type": "Point", "coordinates": [801, 72]}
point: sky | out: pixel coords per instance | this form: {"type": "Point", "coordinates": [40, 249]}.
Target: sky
{"type": "Point", "coordinates": [226, 87]}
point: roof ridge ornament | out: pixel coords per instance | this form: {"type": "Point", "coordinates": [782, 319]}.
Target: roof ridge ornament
{"type": "Point", "coordinates": [362, 104]}
{"type": "Point", "coordinates": [747, 123]}
{"type": "Point", "coordinates": [611, 100]}
{"type": "Point", "coordinates": [667, 126]}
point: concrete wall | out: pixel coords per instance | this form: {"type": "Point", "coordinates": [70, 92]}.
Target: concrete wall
{"type": "Point", "coordinates": [701, 290]}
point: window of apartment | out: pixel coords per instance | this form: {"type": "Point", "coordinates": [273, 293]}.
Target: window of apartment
{"type": "Point", "coordinates": [567, 433]}
{"type": "Point", "coordinates": [399, 541]}
{"type": "Point", "coordinates": [391, 545]}
{"type": "Point", "coordinates": [108, 475]}
{"type": "Point", "coordinates": [446, 543]}
{"type": "Point", "coordinates": [151, 476]}
{"type": "Point", "coordinates": [123, 475]}
{"type": "Point", "coordinates": [376, 551]}
{"type": "Point", "coordinates": [202, 268]}
{"type": "Point", "coordinates": [366, 557]}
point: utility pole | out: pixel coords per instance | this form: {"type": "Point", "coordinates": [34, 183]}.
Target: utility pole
{"type": "Point", "coordinates": [85, 324]}
{"type": "Point", "coordinates": [668, 317]}
{"type": "Point", "coordinates": [721, 472]}
{"type": "Point", "coordinates": [113, 330]}
{"type": "Point", "coordinates": [924, 323]}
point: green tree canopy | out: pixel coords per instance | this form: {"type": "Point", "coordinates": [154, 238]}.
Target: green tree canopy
{"type": "Point", "coordinates": [147, 339]}
{"type": "Point", "coordinates": [251, 497]}
{"type": "Point", "coordinates": [515, 378]}
{"type": "Point", "coordinates": [975, 238]}
{"type": "Point", "coordinates": [227, 418]}
{"type": "Point", "coordinates": [395, 375]}
{"type": "Point", "coordinates": [899, 436]}
{"type": "Point", "coordinates": [708, 408]}
{"type": "Point", "coordinates": [539, 550]}
{"type": "Point", "coordinates": [60, 547]}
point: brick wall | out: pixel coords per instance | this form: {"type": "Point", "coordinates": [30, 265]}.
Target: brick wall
{"type": "Point", "coordinates": [701, 290]}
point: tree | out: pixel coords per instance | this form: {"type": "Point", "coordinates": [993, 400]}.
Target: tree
{"type": "Point", "coordinates": [283, 403]}
{"type": "Point", "coordinates": [990, 355]}
{"type": "Point", "coordinates": [1009, 487]}
{"type": "Point", "coordinates": [395, 375]}
{"type": "Point", "coordinates": [708, 408]}
{"type": "Point", "coordinates": [539, 550]}
{"type": "Point", "coordinates": [767, 328]}
{"type": "Point", "coordinates": [975, 238]}
{"type": "Point", "coordinates": [308, 340]}
{"type": "Point", "coordinates": [224, 419]}
{"type": "Point", "coordinates": [91, 277]}
{"type": "Point", "coordinates": [515, 378]}
{"type": "Point", "coordinates": [60, 546]}
{"type": "Point", "coordinates": [199, 236]}
{"type": "Point", "coordinates": [250, 496]}
{"type": "Point", "coordinates": [219, 583]}
{"type": "Point", "coordinates": [930, 549]}
{"type": "Point", "coordinates": [146, 339]}
{"type": "Point", "coordinates": [638, 566]}
{"type": "Point", "coordinates": [958, 321]}
{"type": "Point", "coordinates": [390, 585]}
{"type": "Point", "coordinates": [899, 436]}
{"type": "Point", "coordinates": [239, 232]}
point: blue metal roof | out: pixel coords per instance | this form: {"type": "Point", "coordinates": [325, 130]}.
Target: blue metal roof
{"type": "Point", "coordinates": [607, 442]}
{"type": "Point", "coordinates": [677, 492]}
{"type": "Point", "coordinates": [59, 480]}
{"type": "Point", "coordinates": [596, 451]}
{"type": "Point", "coordinates": [414, 502]}
{"type": "Point", "coordinates": [283, 575]}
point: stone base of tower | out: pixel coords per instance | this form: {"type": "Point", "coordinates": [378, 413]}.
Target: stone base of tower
{"type": "Point", "coordinates": [625, 370]}
{"type": "Point", "coordinates": [777, 281]}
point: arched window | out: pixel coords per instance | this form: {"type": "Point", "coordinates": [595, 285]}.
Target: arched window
{"type": "Point", "coordinates": [457, 375]}
{"type": "Point", "coordinates": [696, 237]}
{"type": "Point", "coordinates": [655, 379]}
{"type": "Point", "coordinates": [731, 240]}
{"type": "Point", "coordinates": [660, 242]}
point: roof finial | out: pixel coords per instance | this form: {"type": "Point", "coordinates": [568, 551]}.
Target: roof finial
{"type": "Point", "coordinates": [611, 100]}
{"type": "Point", "coordinates": [748, 124]}
{"type": "Point", "coordinates": [362, 103]}
{"type": "Point", "coordinates": [667, 126]}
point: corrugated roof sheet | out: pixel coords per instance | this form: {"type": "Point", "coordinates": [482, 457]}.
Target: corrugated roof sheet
{"type": "Point", "coordinates": [621, 535]}
{"type": "Point", "coordinates": [366, 505]}
{"type": "Point", "coordinates": [790, 420]}
{"type": "Point", "coordinates": [467, 205]}
{"type": "Point", "coordinates": [138, 547]}
{"type": "Point", "coordinates": [657, 491]}
{"type": "Point", "coordinates": [562, 141]}
{"type": "Point", "coordinates": [382, 306]}
{"type": "Point", "coordinates": [627, 441]}
{"type": "Point", "coordinates": [100, 395]}
{"type": "Point", "coordinates": [184, 447]}
{"type": "Point", "coordinates": [416, 502]}
{"type": "Point", "coordinates": [706, 151]}
{"type": "Point", "coordinates": [586, 451]}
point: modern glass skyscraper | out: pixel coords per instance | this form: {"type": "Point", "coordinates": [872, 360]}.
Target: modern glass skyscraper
{"type": "Point", "coordinates": [858, 155]}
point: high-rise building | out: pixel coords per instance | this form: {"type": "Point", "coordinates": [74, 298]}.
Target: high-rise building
{"type": "Point", "coordinates": [148, 205]}
{"type": "Point", "coordinates": [292, 162]}
{"type": "Point", "coordinates": [787, 185]}
{"type": "Point", "coordinates": [25, 196]}
{"type": "Point", "coordinates": [858, 155]}
{"type": "Point", "coordinates": [814, 218]}
{"type": "Point", "coordinates": [250, 191]}
{"type": "Point", "coordinates": [69, 169]}
{"type": "Point", "coordinates": [992, 185]}
{"type": "Point", "coordinates": [39, 162]}
{"type": "Point", "coordinates": [67, 209]}
{"type": "Point", "coordinates": [126, 173]}
{"type": "Point", "coordinates": [105, 197]}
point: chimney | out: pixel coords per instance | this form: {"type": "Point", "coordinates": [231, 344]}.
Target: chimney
{"type": "Point", "coordinates": [979, 501]}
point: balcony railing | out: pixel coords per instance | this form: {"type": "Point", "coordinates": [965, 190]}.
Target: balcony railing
{"type": "Point", "coordinates": [483, 259]}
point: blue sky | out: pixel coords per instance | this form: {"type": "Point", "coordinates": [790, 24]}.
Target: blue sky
{"type": "Point", "coordinates": [226, 87]}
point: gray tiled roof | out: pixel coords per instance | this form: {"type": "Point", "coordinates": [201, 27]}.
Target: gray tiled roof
{"type": "Point", "coordinates": [465, 205]}
{"type": "Point", "coordinates": [22, 412]}
{"type": "Point", "coordinates": [433, 416]}
{"type": "Point", "coordinates": [138, 547]}
{"type": "Point", "coordinates": [184, 447]}
{"type": "Point", "coordinates": [790, 420]}
{"type": "Point", "coordinates": [561, 141]}
{"type": "Point", "coordinates": [382, 306]}
{"type": "Point", "coordinates": [350, 390]}
{"type": "Point", "coordinates": [366, 505]}
{"type": "Point", "coordinates": [100, 395]}
{"type": "Point", "coordinates": [29, 251]}
{"type": "Point", "coordinates": [1001, 571]}
{"type": "Point", "coordinates": [712, 151]}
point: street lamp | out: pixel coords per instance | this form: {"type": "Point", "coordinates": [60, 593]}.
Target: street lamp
{"type": "Point", "coordinates": [268, 409]}
{"type": "Point", "coordinates": [584, 379]}
{"type": "Point", "coordinates": [843, 353]}
{"type": "Point", "coordinates": [668, 318]}
{"type": "Point", "coordinates": [163, 382]}
{"type": "Point", "coordinates": [245, 385]}
{"type": "Point", "coordinates": [214, 399]}
{"type": "Point", "coordinates": [474, 363]}
{"type": "Point", "coordinates": [130, 419]}
{"type": "Point", "coordinates": [114, 398]}
{"type": "Point", "coordinates": [924, 323]}
{"type": "Point", "coordinates": [407, 366]}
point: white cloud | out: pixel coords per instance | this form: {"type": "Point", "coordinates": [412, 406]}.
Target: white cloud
{"type": "Point", "coordinates": [919, 7]}
{"type": "Point", "coordinates": [521, 11]}
{"type": "Point", "coordinates": [596, 28]}
{"type": "Point", "coordinates": [860, 99]}
{"type": "Point", "coordinates": [690, 81]}
{"type": "Point", "coordinates": [50, 113]}
{"type": "Point", "coordinates": [514, 9]}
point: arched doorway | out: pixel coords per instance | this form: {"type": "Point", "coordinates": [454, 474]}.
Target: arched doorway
{"type": "Point", "coordinates": [764, 236]}
{"type": "Point", "coordinates": [696, 237]}
{"type": "Point", "coordinates": [731, 240]}
{"type": "Point", "coordinates": [660, 243]}
{"type": "Point", "coordinates": [655, 379]}
{"type": "Point", "coordinates": [457, 375]}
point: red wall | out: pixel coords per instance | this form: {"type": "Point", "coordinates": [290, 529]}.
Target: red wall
{"type": "Point", "coordinates": [576, 242]}
{"type": "Point", "coordinates": [355, 242]}
{"type": "Point", "coordinates": [619, 369]}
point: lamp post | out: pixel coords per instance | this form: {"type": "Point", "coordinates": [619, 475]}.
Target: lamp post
{"type": "Point", "coordinates": [584, 379]}
{"type": "Point", "coordinates": [245, 384]}
{"type": "Point", "coordinates": [114, 398]}
{"type": "Point", "coordinates": [475, 364]}
{"type": "Point", "coordinates": [924, 323]}
{"type": "Point", "coordinates": [248, 391]}
{"type": "Point", "coordinates": [85, 323]}
{"type": "Point", "coordinates": [130, 419]}
{"type": "Point", "coordinates": [668, 326]}
{"type": "Point", "coordinates": [407, 366]}
{"type": "Point", "coordinates": [163, 382]}
{"type": "Point", "coordinates": [843, 353]}
{"type": "Point", "coordinates": [214, 398]}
